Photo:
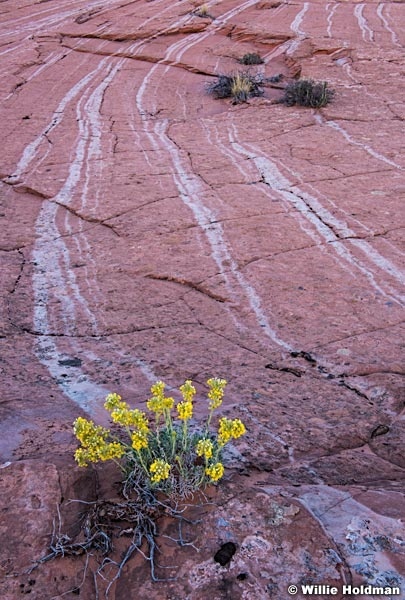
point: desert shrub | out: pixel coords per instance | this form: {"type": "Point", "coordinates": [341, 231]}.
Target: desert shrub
{"type": "Point", "coordinates": [307, 92]}
{"type": "Point", "coordinates": [275, 78]}
{"type": "Point", "coordinates": [251, 59]}
{"type": "Point", "coordinates": [203, 12]}
{"type": "Point", "coordinates": [239, 87]}
{"type": "Point", "coordinates": [165, 455]}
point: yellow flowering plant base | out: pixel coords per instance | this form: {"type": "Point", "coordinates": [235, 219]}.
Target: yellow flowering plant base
{"type": "Point", "coordinates": [162, 450]}
{"type": "Point", "coordinates": [165, 458]}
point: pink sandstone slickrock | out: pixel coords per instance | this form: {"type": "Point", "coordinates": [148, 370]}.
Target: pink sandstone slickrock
{"type": "Point", "coordinates": [150, 231]}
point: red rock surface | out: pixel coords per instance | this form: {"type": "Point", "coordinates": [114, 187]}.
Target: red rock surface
{"type": "Point", "coordinates": [151, 231]}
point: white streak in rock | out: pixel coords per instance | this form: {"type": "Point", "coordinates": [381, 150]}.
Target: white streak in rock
{"type": "Point", "coordinates": [188, 184]}
{"type": "Point", "coordinates": [354, 142]}
{"type": "Point", "coordinates": [58, 260]}
{"type": "Point", "coordinates": [228, 151]}
{"type": "Point", "coordinates": [366, 32]}
{"type": "Point", "coordinates": [32, 23]}
{"type": "Point", "coordinates": [58, 299]}
{"type": "Point", "coordinates": [394, 36]}
{"type": "Point", "coordinates": [189, 190]}
{"type": "Point", "coordinates": [94, 154]}
{"type": "Point", "coordinates": [323, 222]}
{"type": "Point", "coordinates": [341, 228]}
{"type": "Point", "coordinates": [77, 387]}
{"type": "Point", "coordinates": [383, 263]}
{"type": "Point", "coordinates": [53, 276]}
{"type": "Point", "coordinates": [52, 272]}
{"type": "Point", "coordinates": [31, 150]}
{"type": "Point", "coordinates": [276, 181]}
{"type": "Point", "coordinates": [179, 48]}
{"type": "Point", "coordinates": [295, 25]}
{"type": "Point", "coordinates": [51, 60]}
{"type": "Point", "coordinates": [330, 17]}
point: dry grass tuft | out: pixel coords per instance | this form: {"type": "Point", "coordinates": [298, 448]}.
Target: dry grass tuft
{"type": "Point", "coordinates": [239, 87]}
{"type": "Point", "coordinates": [307, 92]}
{"type": "Point", "coordinates": [203, 12]}
{"type": "Point", "coordinates": [251, 59]}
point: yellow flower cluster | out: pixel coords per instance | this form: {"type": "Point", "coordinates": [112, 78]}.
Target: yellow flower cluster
{"type": "Point", "coordinates": [94, 443]}
{"type": "Point", "coordinates": [185, 410]}
{"type": "Point", "coordinates": [229, 429]}
{"type": "Point", "coordinates": [168, 440]}
{"type": "Point", "coordinates": [139, 440]}
{"type": "Point", "coordinates": [159, 403]}
{"type": "Point", "coordinates": [112, 401]}
{"type": "Point", "coordinates": [161, 470]}
{"type": "Point", "coordinates": [204, 448]}
{"type": "Point", "coordinates": [111, 450]}
{"type": "Point", "coordinates": [86, 431]}
{"type": "Point", "coordinates": [123, 415]}
{"type": "Point", "coordinates": [238, 429]}
{"type": "Point", "coordinates": [158, 388]}
{"type": "Point", "coordinates": [187, 391]}
{"type": "Point", "coordinates": [216, 392]}
{"type": "Point", "coordinates": [215, 471]}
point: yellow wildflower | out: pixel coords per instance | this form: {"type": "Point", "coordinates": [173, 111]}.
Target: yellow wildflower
{"type": "Point", "coordinates": [168, 403]}
{"type": "Point", "coordinates": [139, 440]}
{"type": "Point", "coordinates": [93, 452]}
{"type": "Point", "coordinates": [161, 470]}
{"type": "Point", "coordinates": [215, 471]}
{"type": "Point", "coordinates": [185, 410]}
{"type": "Point", "coordinates": [187, 391]}
{"type": "Point", "coordinates": [139, 420]}
{"type": "Point", "coordinates": [113, 401]}
{"type": "Point", "coordinates": [95, 448]}
{"type": "Point", "coordinates": [159, 404]}
{"type": "Point", "coordinates": [81, 457]}
{"type": "Point", "coordinates": [130, 418]}
{"type": "Point", "coordinates": [204, 448]}
{"type": "Point", "coordinates": [216, 392]}
{"type": "Point", "coordinates": [229, 429]}
{"type": "Point", "coordinates": [155, 405]}
{"type": "Point", "coordinates": [86, 431]}
{"type": "Point", "coordinates": [122, 414]}
{"type": "Point", "coordinates": [238, 428]}
{"type": "Point", "coordinates": [112, 450]}
{"type": "Point", "coordinates": [157, 389]}
{"type": "Point", "coordinates": [224, 431]}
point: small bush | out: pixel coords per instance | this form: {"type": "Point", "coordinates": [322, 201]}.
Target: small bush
{"type": "Point", "coordinates": [159, 452]}
{"type": "Point", "coordinates": [306, 92]}
{"type": "Point", "coordinates": [275, 78]}
{"type": "Point", "coordinates": [203, 12]}
{"type": "Point", "coordinates": [165, 458]}
{"type": "Point", "coordinates": [239, 87]}
{"type": "Point", "coordinates": [251, 59]}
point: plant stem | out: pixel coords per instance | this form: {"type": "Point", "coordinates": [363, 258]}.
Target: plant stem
{"type": "Point", "coordinates": [185, 439]}
{"type": "Point", "coordinates": [145, 468]}
{"type": "Point", "coordinates": [119, 465]}
{"type": "Point", "coordinates": [209, 420]}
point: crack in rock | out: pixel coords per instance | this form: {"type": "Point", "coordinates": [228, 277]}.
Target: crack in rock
{"type": "Point", "coordinates": [98, 336]}
{"type": "Point", "coordinates": [23, 263]}
{"type": "Point", "coordinates": [190, 284]}
{"type": "Point", "coordinates": [87, 219]}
